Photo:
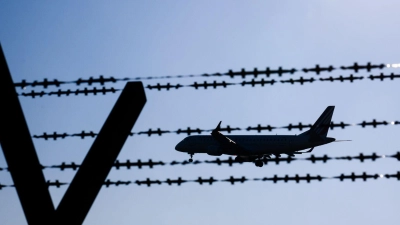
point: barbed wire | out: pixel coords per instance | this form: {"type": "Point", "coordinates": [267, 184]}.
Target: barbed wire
{"type": "Point", "coordinates": [49, 183]}
{"type": "Point", "coordinates": [262, 82]}
{"type": "Point", "coordinates": [229, 161]}
{"type": "Point", "coordinates": [68, 92]}
{"type": "Point", "coordinates": [234, 180]}
{"type": "Point", "coordinates": [205, 85]}
{"type": "Point", "coordinates": [259, 128]}
{"type": "Point", "coordinates": [242, 73]}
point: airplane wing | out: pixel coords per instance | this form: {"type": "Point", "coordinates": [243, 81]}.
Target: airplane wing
{"type": "Point", "coordinates": [222, 139]}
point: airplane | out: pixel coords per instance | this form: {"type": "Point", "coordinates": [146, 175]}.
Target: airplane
{"type": "Point", "coordinates": [255, 148]}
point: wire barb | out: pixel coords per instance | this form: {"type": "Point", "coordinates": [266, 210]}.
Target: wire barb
{"type": "Point", "coordinates": [368, 67]}
{"type": "Point", "coordinates": [350, 78]}
{"type": "Point", "coordinates": [382, 76]}
{"type": "Point", "coordinates": [317, 69]}
{"type": "Point", "coordinates": [301, 81]}
{"type": "Point", "coordinates": [68, 92]}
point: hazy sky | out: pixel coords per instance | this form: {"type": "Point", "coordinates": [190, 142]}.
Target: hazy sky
{"type": "Point", "coordinates": [75, 39]}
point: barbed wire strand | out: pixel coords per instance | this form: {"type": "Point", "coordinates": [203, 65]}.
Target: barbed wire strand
{"type": "Point", "coordinates": [204, 85]}
{"type": "Point", "coordinates": [242, 73]}
{"type": "Point", "coordinates": [259, 128]}
{"type": "Point", "coordinates": [230, 161]}
{"type": "Point", "coordinates": [262, 82]}
{"type": "Point", "coordinates": [235, 180]}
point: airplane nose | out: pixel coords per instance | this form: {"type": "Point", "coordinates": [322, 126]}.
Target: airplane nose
{"type": "Point", "coordinates": [178, 147]}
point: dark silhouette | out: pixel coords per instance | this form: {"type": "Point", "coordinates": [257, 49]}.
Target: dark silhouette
{"type": "Point", "coordinates": [314, 159]}
{"type": "Point", "coordinates": [64, 166]}
{"type": "Point", "coordinates": [357, 67]}
{"type": "Point", "coordinates": [232, 180]}
{"type": "Point", "coordinates": [242, 73]}
{"type": "Point", "coordinates": [30, 184]}
{"type": "Point", "coordinates": [300, 126]}
{"type": "Point", "coordinates": [179, 181]}
{"type": "Point", "coordinates": [341, 124]}
{"type": "Point", "coordinates": [397, 156]}
{"type": "Point", "coordinates": [354, 177]}
{"type": "Point", "coordinates": [97, 163]}
{"type": "Point", "coordinates": [201, 181]}
{"type": "Point", "coordinates": [317, 69]}
{"type": "Point", "coordinates": [101, 80]}
{"type": "Point", "coordinates": [56, 183]}
{"type": "Point", "coordinates": [374, 123]}
{"type": "Point", "coordinates": [382, 76]}
{"type": "Point", "coordinates": [139, 164]}
{"type": "Point", "coordinates": [84, 134]}
{"type": "Point", "coordinates": [205, 85]}
{"type": "Point", "coordinates": [148, 182]}
{"type": "Point", "coordinates": [150, 132]}
{"type": "Point", "coordinates": [259, 128]}
{"type": "Point", "coordinates": [20, 153]}
{"type": "Point", "coordinates": [68, 92]}
{"type": "Point", "coordinates": [261, 82]}
{"type": "Point", "coordinates": [188, 131]}
{"type": "Point", "coordinates": [397, 175]}
{"type": "Point", "coordinates": [256, 72]}
{"type": "Point", "coordinates": [167, 86]}
{"type": "Point", "coordinates": [301, 81]}
{"type": "Point", "coordinates": [363, 157]}
{"type": "Point", "coordinates": [196, 85]}
{"type": "Point", "coordinates": [107, 183]}
{"type": "Point", "coordinates": [351, 78]}
{"type": "Point", "coordinates": [230, 161]}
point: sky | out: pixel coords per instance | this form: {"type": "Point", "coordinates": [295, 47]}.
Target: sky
{"type": "Point", "coordinates": [75, 39]}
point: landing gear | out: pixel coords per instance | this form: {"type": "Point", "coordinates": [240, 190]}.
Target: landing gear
{"type": "Point", "coordinates": [259, 163]}
{"type": "Point", "coordinates": [265, 157]}
{"type": "Point", "coordinates": [277, 155]}
{"type": "Point", "coordinates": [191, 157]}
{"type": "Point", "coordinates": [239, 159]}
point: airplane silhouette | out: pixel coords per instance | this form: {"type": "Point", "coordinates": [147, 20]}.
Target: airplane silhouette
{"type": "Point", "coordinates": [256, 148]}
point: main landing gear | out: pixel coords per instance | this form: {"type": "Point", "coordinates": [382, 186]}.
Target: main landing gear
{"type": "Point", "coordinates": [191, 157]}
{"type": "Point", "coordinates": [259, 163]}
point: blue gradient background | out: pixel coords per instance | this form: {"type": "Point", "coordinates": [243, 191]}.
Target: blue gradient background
{"type": "Point", "coordinates": [74, 39]}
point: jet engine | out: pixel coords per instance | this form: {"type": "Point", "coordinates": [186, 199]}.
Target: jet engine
{"type": "Point", "coordinates": [214, 150]}
{"type": "Point", "coordinates": [245, 158]}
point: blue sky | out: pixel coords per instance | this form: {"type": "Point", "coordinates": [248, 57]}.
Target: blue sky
{"type": "Point", "coordinates": [71, 40]}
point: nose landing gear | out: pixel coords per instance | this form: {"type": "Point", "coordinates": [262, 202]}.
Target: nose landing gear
{"type": "Point", "coordinates": [191, 157]}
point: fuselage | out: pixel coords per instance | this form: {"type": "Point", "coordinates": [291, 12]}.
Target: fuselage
{"type": "Point", "coordinates": [249, 144]}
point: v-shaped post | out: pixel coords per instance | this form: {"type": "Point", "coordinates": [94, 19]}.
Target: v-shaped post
{"type": "Point", "coordinates": [94, 169]}
{"type": "Point", "coordinates": [25, 168]}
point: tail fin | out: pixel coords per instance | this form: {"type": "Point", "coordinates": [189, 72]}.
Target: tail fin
{"type": "Point", "coordinates": [321, 126]}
